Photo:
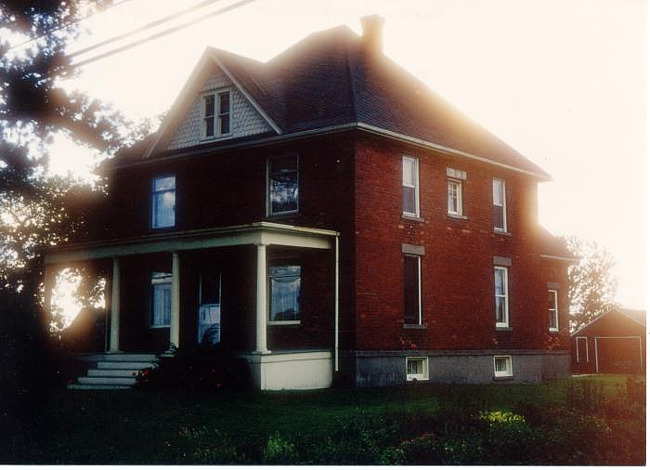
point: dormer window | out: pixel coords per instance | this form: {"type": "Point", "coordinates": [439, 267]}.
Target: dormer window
{"type": "Point", "coordinates": [217, 109]}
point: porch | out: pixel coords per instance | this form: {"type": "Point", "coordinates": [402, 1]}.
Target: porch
{"type": "Point", "coordinates": [268, 291]}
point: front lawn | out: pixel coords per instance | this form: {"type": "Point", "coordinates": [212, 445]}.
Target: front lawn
{"type": "Point", "coordinates": [584, 420]}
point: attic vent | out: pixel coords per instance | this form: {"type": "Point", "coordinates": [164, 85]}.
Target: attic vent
{"type": "Point", "coordinates": [373, 26]}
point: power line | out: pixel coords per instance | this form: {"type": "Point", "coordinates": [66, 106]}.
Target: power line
{"type": "Point", "coordinates": [69, 23]}
{"type": "Point", "coordinates": [143, 28]}
{"type": "Point", "coordinates": [162, 33]}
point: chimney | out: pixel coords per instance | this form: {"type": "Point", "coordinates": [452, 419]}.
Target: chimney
{"type": "Point", "coordinates": [373, 28]}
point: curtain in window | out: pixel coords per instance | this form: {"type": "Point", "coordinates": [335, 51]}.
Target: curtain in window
{"type": "Point", "coordinates": [283, 184]}
{"type": "Point", "coordinates": [164, 202]}
{"type": "Point", "coordinates": [162, 304]}
{"type": "Point", "coordinates": [285, 293]}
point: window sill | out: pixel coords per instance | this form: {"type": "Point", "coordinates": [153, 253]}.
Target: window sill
{"type": "Point", "coordinates": [412, 326]}
{"type": "Point", "coordinates": [412, 218]}
{"type": "Point", "coordinates": [554, 332]}
{"type": "Point", "coordinates": [457, 216]}
{"type": "Point", "coordinates": [283, 215]}
{"type": "Point", "coordinates": [215, 137]}
{"type": "Point", "coordinates": [501, 232]}
{"type": "Point", "coordinates": [417, 379]}
{"type": "Point", "coordinates": [503, 328]}
{"type": "Point", "coordinates": [504, 378]}
{"type": "Point", "coordinates": [158, 327]}
{"type": "Point", "coordinates": [283, 323]}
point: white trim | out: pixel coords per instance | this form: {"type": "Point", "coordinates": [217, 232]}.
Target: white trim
{"type": "Point", "coordinates": [504, 209]}
{"type": "Point", "coordinates": [425, 369]}
{"type": "Point", "coordinates": [336, 303]}
{"type": "Point", "coordinates": [556, 311]}
{"type": "Point", "coordinates": [415, 186]}
{"type": "Point", "coordinates": [578, 349]}
{"type": "Point", "coordinates": [561, 258]}
{"type": "Point", "coordinates": [509, 372]}
{"type": "Point", "coordinates": [505, 295]}
{"type": "Point", "coordinates": [596, 338]}
{"type": "Point", "coordinates": [331, 130]}
{"type": "Point", "coordinates": [251, 234]}
{"type": "Point", "coordinates": [216, 124]}
{"type": "Point", "coordinates": [247, 95]}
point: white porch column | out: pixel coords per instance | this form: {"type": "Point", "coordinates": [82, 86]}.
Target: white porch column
{"type": "Point", "coordinates": [174, 325]}
{"type": "Point", "coordinates": [261, 304]}
{"type": "Point", "coordinates": [114, 338]}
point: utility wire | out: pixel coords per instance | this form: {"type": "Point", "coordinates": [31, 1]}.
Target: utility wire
{"type": "Point", "coordinates": [162, 33]}
{"type": "Point", "coordinates": [69, 23]}
{"type": "Point", "coordinates": [143, 28]}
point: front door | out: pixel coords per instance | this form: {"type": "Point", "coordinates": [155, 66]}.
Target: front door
{"type": "Point", "coordinates": [209, 319]}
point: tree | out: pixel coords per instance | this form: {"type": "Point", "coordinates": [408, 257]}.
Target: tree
{"type": "Point", "coordinates": [36, 208]}
{"type": "Point", "coordinates": [592, 286]}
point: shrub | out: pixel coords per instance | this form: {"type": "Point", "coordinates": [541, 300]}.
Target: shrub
{"type": "Point", "coordinates": [200, 368]}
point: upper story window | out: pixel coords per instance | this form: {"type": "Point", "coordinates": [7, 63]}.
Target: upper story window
{"type": "Point", "coordinates": [284, 287]}
{"type": "Point", "coordinates": [216, 114]}
{"type": "Point", "coordinates": [501, 296]}
{"type": "Point", "coordinates": [410, 187]}
{"type": "Point", "coordinates": [499, 205]}
{"type": "Point", "coordinates": [283, 185]}
{"type": "Point", "coordinates": [163, 202]}
{"type": "Point", "coordinates": [412, 290]}
{"type": "Point", "coordinates": [553, 320]}
{"type": "Point", "coordinates": [455, 191]}
{"type": "Point", "coordinates": [161, 309]}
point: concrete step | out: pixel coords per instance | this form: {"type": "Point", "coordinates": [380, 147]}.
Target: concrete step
{"type": "Point", "coordinates": [112, 372]}
{"type": "Point", "coordinates": [124, 365]}
{"type": "Point", "coordinates": [121, 357]}
{"type": "Point", "coordinates": [97, 387]}
{"type": "Point", "coordinates": [106, 380]}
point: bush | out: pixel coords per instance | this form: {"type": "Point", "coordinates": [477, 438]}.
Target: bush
{"type": "Point", "coordinates": [201, 368]}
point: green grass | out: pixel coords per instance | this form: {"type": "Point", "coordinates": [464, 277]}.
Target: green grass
{"type": "Point", "coordinates": [330, 426]}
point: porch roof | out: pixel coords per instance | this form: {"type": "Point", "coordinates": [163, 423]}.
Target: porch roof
{"type": "Point", "coordinates": [257, 233]}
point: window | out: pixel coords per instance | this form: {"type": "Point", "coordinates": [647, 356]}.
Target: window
{"type": "Point", "coordinates": [412, 290]}
{"type": "Point", "coordinates": [284, 294]}
{"type": "Point", "coordinates": [417, 368]}
{"type": "Point", "coordinates": [501, 296]}
{"type": "Point", "coordinates": [410, 187]}
{"type": "Point", "coordinates": [582, 349]}
{"type": "Point", "coordinates": [283, 185]}
{"type": "Point", "coordinates": [499, 205]}
{"type": "Point", "coordinates": [161, 310]}
{"type": "Point", "coordinates": [454, 197]}
{"type": "Point", "coordinates": [553, 322]}
{"type": "Point", "coordinates": [502, 366]}
{"type": "Point", "coordinates": [216, 114]}
{"type": "Point", "coordinates": [163, 211]}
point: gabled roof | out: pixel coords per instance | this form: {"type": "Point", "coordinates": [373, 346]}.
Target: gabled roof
{"type": "Point", "coordinates": [553, 247]}
{"type": "Point", "coordinates": [331, 79]}
{"type": "Point", "coordinates": [638, 316]}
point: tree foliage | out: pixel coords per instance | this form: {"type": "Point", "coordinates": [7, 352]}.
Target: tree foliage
{"type": "Point", "coordinates": [38, 209]}
{"type": "Point", "coordinates": [592, 286]}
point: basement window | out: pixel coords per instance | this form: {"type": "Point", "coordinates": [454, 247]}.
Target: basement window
{"type": "Point", "coordinates": [417, 368]}
{"type": "Point", "coordinates": [502, 366]}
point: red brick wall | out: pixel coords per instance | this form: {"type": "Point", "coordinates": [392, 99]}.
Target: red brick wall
{"type": "Point", "coordinates": [457, 268]}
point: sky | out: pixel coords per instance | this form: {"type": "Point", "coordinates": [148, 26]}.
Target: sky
{"type": "Point", "coordinates": [561, 81]}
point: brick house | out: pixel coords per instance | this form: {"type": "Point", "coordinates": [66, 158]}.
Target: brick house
{"type": "Point", "coordinates": [612, 343]}
{"type": "Point", "coordinates": [326, 214]}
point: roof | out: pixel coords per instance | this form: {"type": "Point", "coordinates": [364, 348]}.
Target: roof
{"type": "Point", "coordinates": [554, 247]}
{"type": "Point", "coordinates": [331, 79]}
{"type": "Point", "coordinates": [638, 316]}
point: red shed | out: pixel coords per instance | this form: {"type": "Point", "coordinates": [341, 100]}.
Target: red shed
{"type": "Point", "coordinates": [611, 343]}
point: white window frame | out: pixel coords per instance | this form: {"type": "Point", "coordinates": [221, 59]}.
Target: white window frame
{"type": "Point", "coordinates": [419, 280]}
{"type": "Point", "coordinates": [270, 321]}
{"type": "Point", "coordinates": [459, 197]}
{"type": "Point", "coordinates": [425, 369]}
{"type": "Point", "coordinates": [415, 185]}
{"type": "Point", "coordinates": [154, 205]}
{"type": "Point", "coordinates": [269, 203]}
{"type": "Point", "coordinates": [554, 312]}
{"type": "Point", "coordinates": [503, 206]}
{"type": "Point", "coordinates": [217, 117]}
{"type": "Point", "coordinates": [586, 339]}
{"type": "Point", "coordinates": [157, 279]}
{"type": "Point", "coordinates": [505, 296]}
{"type": "Point", "coordinates": [509, 369]}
